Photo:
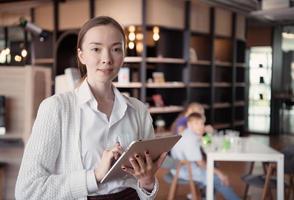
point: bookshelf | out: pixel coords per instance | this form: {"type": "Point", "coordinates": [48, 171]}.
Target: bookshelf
{"type": "Point", "coordinates": [215, 76]}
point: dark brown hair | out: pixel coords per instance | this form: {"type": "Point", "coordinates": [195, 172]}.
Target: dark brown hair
{"type": "Point", "coordinates": [97, 21]}
{"type": "Point", "coordinates": [194, 116]}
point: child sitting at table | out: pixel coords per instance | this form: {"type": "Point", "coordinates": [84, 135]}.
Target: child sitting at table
{"type": "Point", "coordinates": [180, 124]}
{"type": "Point", "coordinates": [189, 148]}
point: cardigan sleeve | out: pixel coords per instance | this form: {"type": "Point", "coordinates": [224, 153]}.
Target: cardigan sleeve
{"type": "Point", "coordinates": [148, 132]}
{"type": "Point", "coordinates": [37, 178]}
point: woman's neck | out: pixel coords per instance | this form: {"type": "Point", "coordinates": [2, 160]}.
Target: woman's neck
{"type": "Point", "coordinates": [101, 91]}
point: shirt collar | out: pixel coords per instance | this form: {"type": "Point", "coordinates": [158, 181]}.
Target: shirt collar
{"type": "Point", "coordinates": [85, 95]}
{"type": "Point", "coordinates": [122, 98]}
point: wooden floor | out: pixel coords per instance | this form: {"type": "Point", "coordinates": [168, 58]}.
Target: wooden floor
{"type": "Point", "coordinates": [233, 169]}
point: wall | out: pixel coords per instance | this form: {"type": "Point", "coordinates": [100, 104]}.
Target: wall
{"type": "Point", "coordinates": [259, 36]}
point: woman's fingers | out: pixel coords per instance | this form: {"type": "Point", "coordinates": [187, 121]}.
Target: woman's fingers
{"type": "Point", "coordinates": [149, 160]}
{"type": "Point", "coordinates": [116, 151]}
{"type": "Point", "coordinates": [135, 165]}
{"type": "Point", "coordinates": [140, 160]}
{"type": "Point", "coordinates": [161, 159]}
{"type": "Point", "coordinates": [129, 170]}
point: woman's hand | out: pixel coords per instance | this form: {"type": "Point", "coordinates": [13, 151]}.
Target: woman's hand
{"type": "Point", "coordinates": [108, 157]}
{"type": "Point", "coordinates": [144, 169]}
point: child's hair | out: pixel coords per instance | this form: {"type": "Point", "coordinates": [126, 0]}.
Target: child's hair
{"type": "Point", "coordinates": [194, 116]}
{"type": "Point", "coordinates": [97, 21]}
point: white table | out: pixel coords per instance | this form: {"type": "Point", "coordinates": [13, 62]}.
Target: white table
{"type": "Point", "coordinates": [250, 150]}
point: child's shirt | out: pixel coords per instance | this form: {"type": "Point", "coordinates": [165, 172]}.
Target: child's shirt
{"type": "Point", "coordinates": [189, 148]}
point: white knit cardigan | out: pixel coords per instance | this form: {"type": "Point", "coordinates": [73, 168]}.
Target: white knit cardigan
{"type": "Point", "coordinates": [52, 167]}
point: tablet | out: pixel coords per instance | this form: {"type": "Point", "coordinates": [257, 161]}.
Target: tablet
{"type": "Point", "coordinates": [155, 146]}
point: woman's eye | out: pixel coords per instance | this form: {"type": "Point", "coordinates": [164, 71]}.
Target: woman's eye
{"type": "Point", "coordinates": [95, 49]}
{"type": "Point", "coordinates": [117, 49]}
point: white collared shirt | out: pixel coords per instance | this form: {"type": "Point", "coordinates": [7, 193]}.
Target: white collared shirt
{"type": "Point", "coordinates": [98, 133]}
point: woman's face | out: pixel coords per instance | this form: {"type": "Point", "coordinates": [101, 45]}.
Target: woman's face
{"type": "Point", "coordinates": [102, 52]}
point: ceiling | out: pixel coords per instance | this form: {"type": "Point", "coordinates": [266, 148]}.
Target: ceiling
{"type": "Point", "coordinates": [254, 9]}
{"type": "Point", "coordinates": [270, 11]}
{"type": "Point", "coordinates": [9, 6]}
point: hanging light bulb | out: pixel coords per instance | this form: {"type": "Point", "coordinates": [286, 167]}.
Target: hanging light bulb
{"type": "Point", "coordinates": [132, 28]}
{"type": "Point", "coordinates": [24, 53]}
{"type": "Point", "coordinates": [156, 36]}
{"type": "Point", "coordinates": [156, 33]}
{"type": "Point", "coordinates": [132, 36]}
{"type": "Point", "coordinates": [131, 45]}
{"type": "Point", "coordinates": [155, 29]}
{"type": "Point", "coordinates": [139, 36]}
{"type": "Point", "coordinates": [17, 58]}
{"type": "Point", "coordinates": [139, 47]}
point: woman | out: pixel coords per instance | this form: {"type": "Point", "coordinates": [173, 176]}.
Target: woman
{"type": "Point", "coordinates": [78, 134]}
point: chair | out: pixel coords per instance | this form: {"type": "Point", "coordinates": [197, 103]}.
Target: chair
{"type": "Point", "coordinates": [175, 180]}
{"type": "Point", "coordinates": [2, 168]}
{"type": "Point", "coordinates": [268, 180]}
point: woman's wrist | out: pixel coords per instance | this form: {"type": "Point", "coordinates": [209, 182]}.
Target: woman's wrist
{"type": "Point", "coordinates": [97, 176]}
{"type": "Point", "coordinates": [147, 185]}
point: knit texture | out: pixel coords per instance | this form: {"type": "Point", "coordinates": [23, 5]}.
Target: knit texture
{"type": "Point", "coordinates": [52, 167]}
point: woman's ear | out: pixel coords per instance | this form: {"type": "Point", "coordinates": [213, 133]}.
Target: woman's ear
{"type": "Point", "coordinates": [80, 55]}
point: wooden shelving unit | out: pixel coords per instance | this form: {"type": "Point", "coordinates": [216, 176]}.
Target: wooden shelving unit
{"type": "Point", "coordinates": [133, 59]}
{"type": "Point", "coordinates": [213, 76]}
{"type": "Point", "coordinates": [223, 64]}
{"type": "Point", "coordinates": [239, 123]}
{"type": "Point", "coordinates": [241, 65]}
{"type": "Point", "coordinates": [201, 62]}
{"type": "Point", "coordinates": [128, 85]}
{"type": "Point", "coordinates": [221, 125]}
{"type": "Point", "coordinates": [222, 105]}
{"type": "Point", "coordinates": [166, 85]}
{"type": "Point", "coordinates": [165, 60]}
{"type": "Point", "coordinates": [222, 84]}
{"type": "Point", "coordinates": [43, 61]}
{"type": "Point", "coordinates": [240, 103]}
{"type": "Point", "coordinates": [198, 85]}
{"type": "Point", "coordinates": [11, 136]}
{"type": "Point", "coordinates": [166, 109]}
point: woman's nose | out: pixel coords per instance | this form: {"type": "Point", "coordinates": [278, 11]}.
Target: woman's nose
{"type": "Point", "coordinates": [106, 57]}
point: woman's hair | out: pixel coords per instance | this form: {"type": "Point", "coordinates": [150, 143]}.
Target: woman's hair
{"type": "Point", "coordinates": [97, 21]}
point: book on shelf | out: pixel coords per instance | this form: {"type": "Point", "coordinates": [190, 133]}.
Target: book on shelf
{"type": "Point", "coordinates": [158, 77]}
{"type": "Point", "coordinates": [124, 75]}
{"type": "Point", "coordinates": [158, 100]}
{"type": "Point", "coordinates": [2, 115]}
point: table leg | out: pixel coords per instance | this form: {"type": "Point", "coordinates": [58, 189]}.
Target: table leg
{"type": "Point", "coordinates": [280, 178]}
{"type": "Point", "coordinates": [209, 180]}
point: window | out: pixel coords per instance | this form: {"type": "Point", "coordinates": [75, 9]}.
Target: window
{"type": "Point", "coordinates": [260, 71]}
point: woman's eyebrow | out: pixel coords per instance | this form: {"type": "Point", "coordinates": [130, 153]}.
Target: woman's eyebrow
{"type": "Point", "coordinates": [98, 43]}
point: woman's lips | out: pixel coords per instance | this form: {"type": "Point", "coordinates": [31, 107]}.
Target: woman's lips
{"type": "Point", "coordinates": [105, 71]}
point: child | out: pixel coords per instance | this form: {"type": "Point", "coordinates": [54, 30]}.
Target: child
{"type": "Point", "coordinates": [189, 148]}
{"type": "Point", "coordinates": [180, 123]}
